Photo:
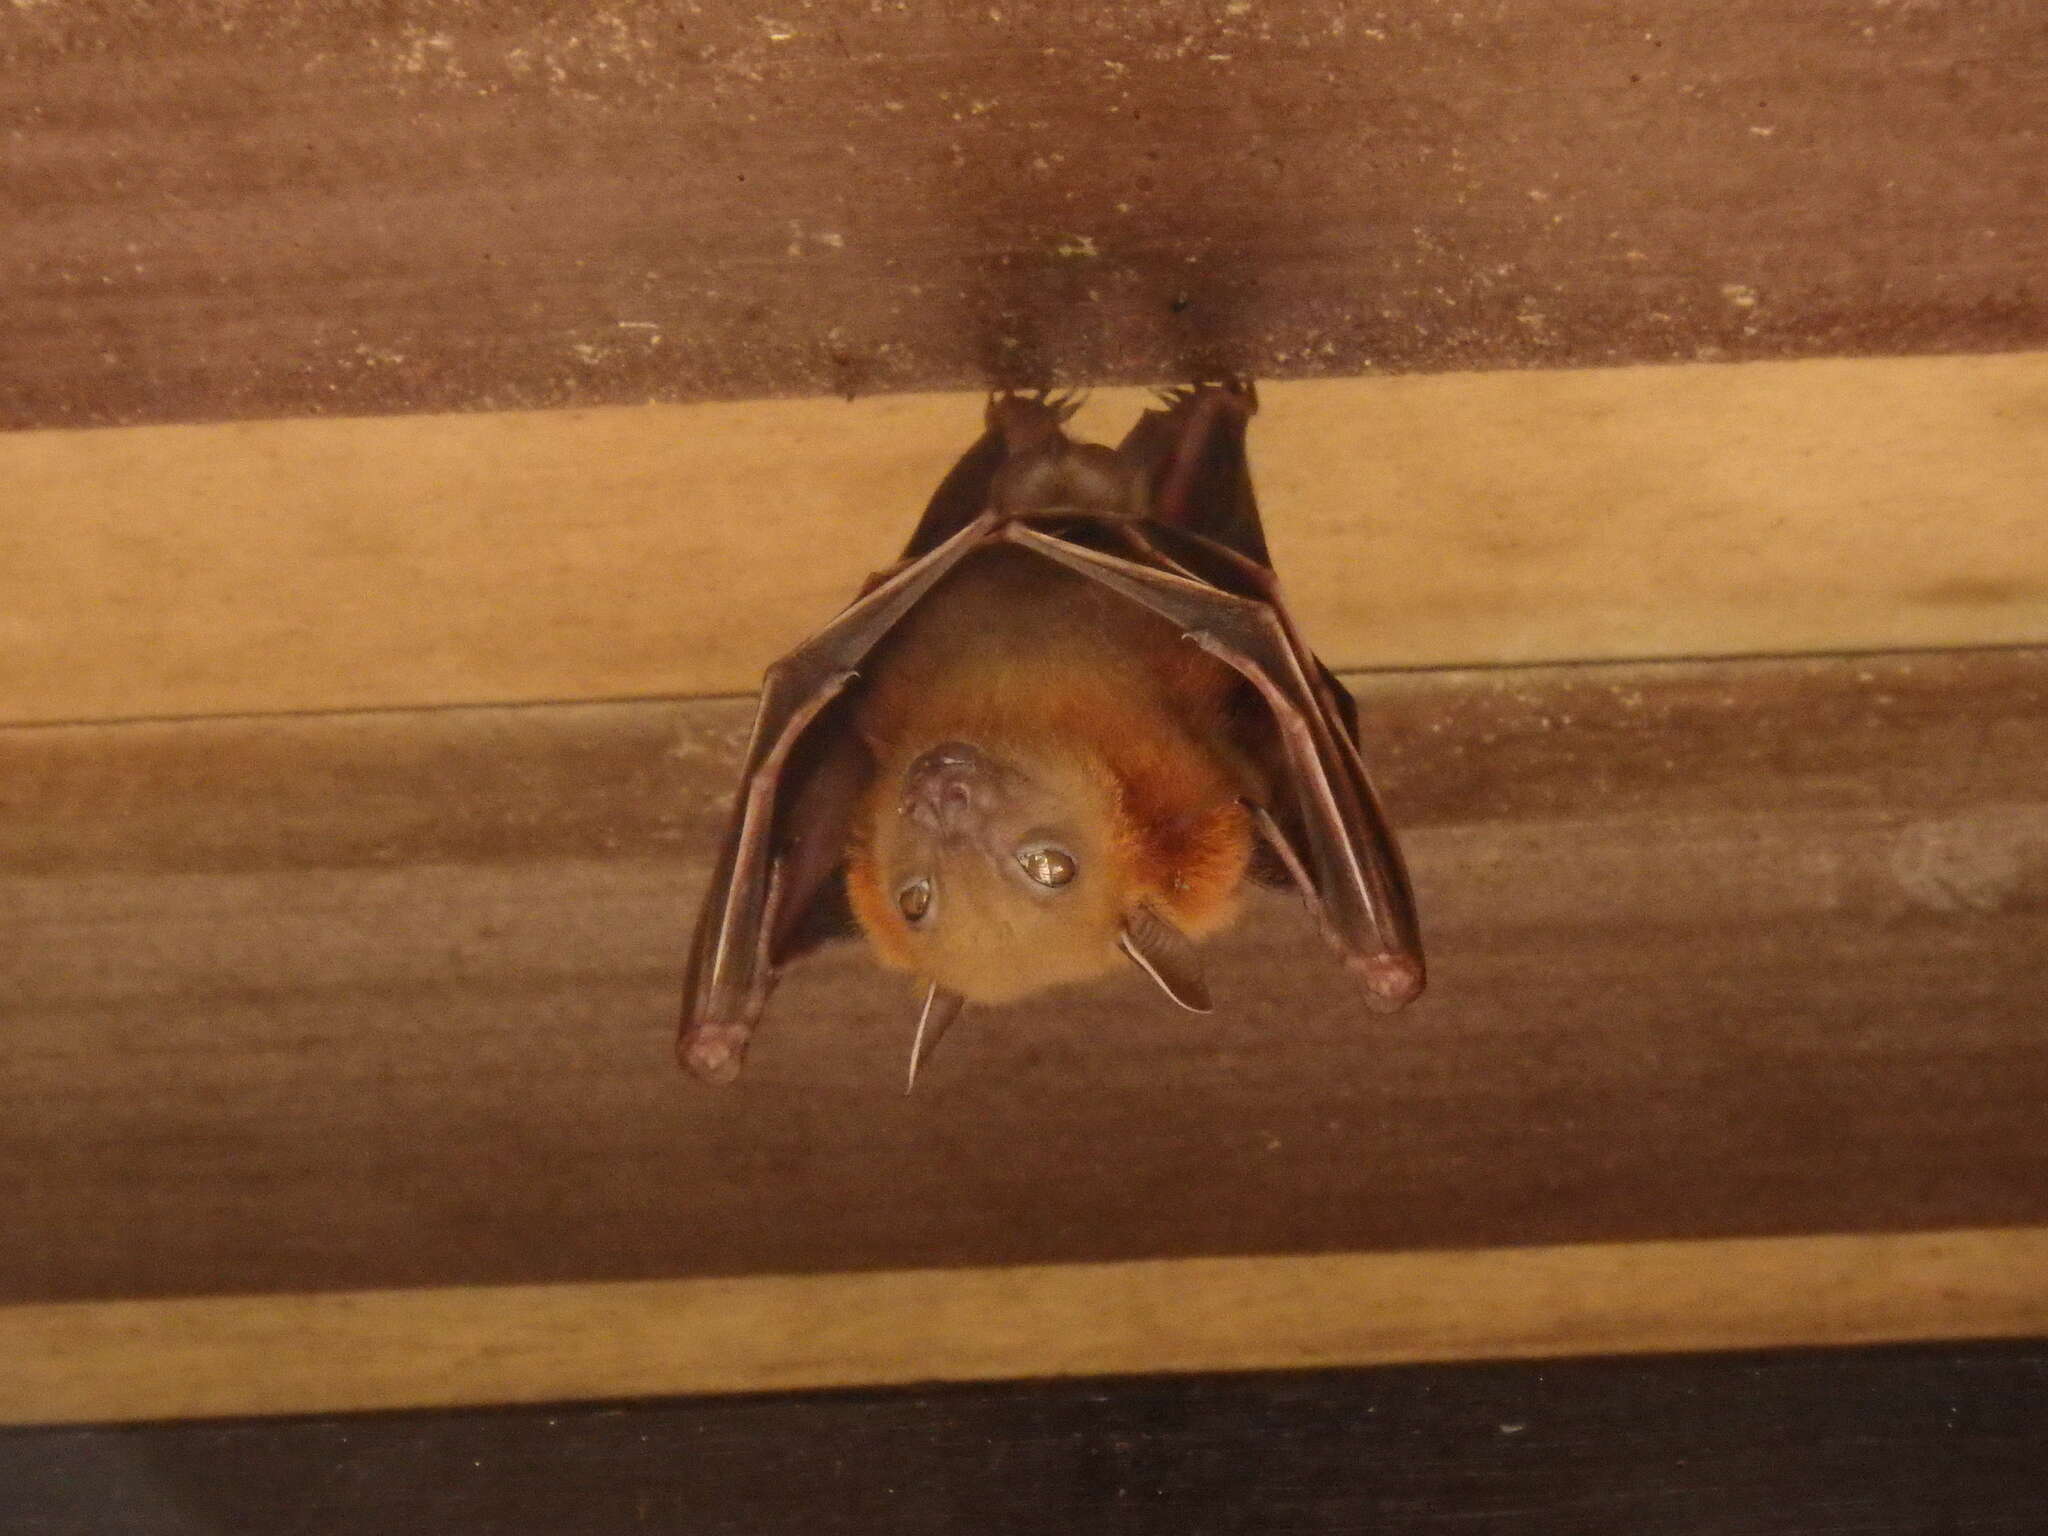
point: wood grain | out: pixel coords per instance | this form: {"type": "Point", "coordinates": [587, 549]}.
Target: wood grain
{"type": "Point", "coordinates": [676, 550]}
{"type": "Point", "coordinates": [315, 208]}
{"type": "Point", "coordinates": [361, 1002]}
{"type": "Point", "coordinates": [233, 1356]}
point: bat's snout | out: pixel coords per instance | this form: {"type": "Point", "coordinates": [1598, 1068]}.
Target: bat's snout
{"type": "Point", "coordinates": [951, 789]}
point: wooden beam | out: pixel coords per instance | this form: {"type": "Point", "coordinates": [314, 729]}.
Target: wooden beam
{"type": "Point", "coordinates": [242, 1355]}
{"type": "Point", "coordinates": [327, 210]}
{"type": "Point", "coordinates": [349, 1003]}
{"type": "Point", "coordinates": [1456, 519]}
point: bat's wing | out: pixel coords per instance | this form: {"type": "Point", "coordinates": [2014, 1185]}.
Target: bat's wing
{"type": "Point", "coordinates": [803, 775]}
{"type": "Point", "coordinates": [961, 497]}
{"type": "Point", "coordinates": [1191, 457]}
{"type": "Point", "coordinates": [777, 891]}
{"type": "Point", "coordinates": [1323, 819]}
{"type": "Point", "coordinates": [1208, 570]}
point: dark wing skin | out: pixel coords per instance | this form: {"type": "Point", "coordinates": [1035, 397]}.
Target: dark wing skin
{"type": "Point", "coordinates": [778, 890]}
{"type": "Point", "coordinates": [802, 778]}
{"type": "Point", "coordinates": [1169, 521]}
{"type": "Point", "coordinates": [1192, 459]}
{"type": "Point", "coordinates": [1324, 823]}
{"type": "Point", "coordinates": [962, 496]}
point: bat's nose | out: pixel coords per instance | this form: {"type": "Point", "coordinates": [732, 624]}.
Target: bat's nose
{"type": "Point", "coordinates": [949, 789]}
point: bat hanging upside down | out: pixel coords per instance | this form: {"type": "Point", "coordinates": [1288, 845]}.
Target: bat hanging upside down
{"type": "Point", "coordinates": [1057, 737]}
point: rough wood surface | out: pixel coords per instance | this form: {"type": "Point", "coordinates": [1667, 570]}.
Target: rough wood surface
{"type": "Point", "coordinates": [364, 1001]}
{"type": "Point", "coordinates": [1880, 1443]}
{"type": "Point", "coordinates": [1537, 516]}
{"type": "Point", "coordinates": [213, 1357]}
{"type": "Point", "coordinates": [235, 209]}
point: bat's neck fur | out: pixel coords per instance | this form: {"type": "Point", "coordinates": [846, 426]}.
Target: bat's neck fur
{"type": "Point", "coordinates": [1023, 657]}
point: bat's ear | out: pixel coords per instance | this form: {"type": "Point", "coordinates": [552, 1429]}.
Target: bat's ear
{"type": "Point", "coordinates": [1167, 955]}
{"type": "Point", "coordinates": [941, 1008]}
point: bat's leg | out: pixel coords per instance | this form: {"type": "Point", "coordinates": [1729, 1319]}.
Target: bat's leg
{"type": "Point", "coordinates": [1190, 459]}
{"type": "Point", "coordinates": [1202, 415]}
{"type": "Point", "coordinates": [1048, 471]}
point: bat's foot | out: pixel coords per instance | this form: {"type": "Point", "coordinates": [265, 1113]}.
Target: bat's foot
{"type": "Point", "coordinates": [1033, 422]}
{"type": "Point", "coordinates": [1029, 422]}
{"type": "Point", "coordinates": [714, 1051]}
{"type": "Point", "coordinates": [1239, 393]}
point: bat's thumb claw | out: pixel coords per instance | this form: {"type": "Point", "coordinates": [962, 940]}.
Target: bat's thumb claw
{"type": "Point", "coordinates": [1392, 981]}
{"type": "Point", "coordinates": [713, 1051]}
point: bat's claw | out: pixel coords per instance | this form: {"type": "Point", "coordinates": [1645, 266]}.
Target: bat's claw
{"type": "Point", "coordinates": [1391, 981]}
{"type": "Point", "coordinates": [1033, 420]}
{"type": "Point", "coordinates": [714, 1051]}
{"type": "Point", "coordinates": [1061, 402]}
{"type": "Point", "coordinates": [1243, 393]}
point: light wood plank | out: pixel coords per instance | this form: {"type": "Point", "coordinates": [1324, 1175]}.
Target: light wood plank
{"type": "Point", "coordinates": [396, 1349]}
{"type": "Point", "coordinates": [1638, 512]}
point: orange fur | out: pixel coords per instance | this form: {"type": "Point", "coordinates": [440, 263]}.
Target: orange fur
{"type": "Point", "coordinates": [1074, 685]}
{"type": "Point", "coordinates": [872, 908]}
{"type": "Point", "coordinates": [1188, 838]}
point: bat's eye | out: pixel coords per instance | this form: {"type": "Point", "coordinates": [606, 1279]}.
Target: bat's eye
{"type": "Point", "coordinates": [1047, 865]}
{"type": "Point", "coordinates": [915, 899]}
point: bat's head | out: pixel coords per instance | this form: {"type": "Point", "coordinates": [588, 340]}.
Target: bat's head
{"type": "Point", "coordinates": [996, 869]}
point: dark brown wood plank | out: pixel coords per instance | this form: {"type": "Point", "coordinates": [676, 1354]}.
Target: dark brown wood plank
{"type": "Point", "coordinates": [1879, 1442]}
{"type": "Point", "coordinates": [217, 212]}
{"type": "Point", "coordinates": [1718, 949]}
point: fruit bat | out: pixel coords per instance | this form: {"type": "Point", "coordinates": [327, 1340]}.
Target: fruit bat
{"type": "Point", "coordinates": [1059, 735]}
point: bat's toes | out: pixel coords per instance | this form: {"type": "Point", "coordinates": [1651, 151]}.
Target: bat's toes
{"type": "Point", "coordinates": [1064, 402]}
{"type": "Point", "coordinates": [1057, 403]}
{"type": "Point", "coordinates": [1238, 392]}
{"type": "Point", "coordinates": [1032, 421]}
{"type": "Point", "coordinates": [1005, 404]}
